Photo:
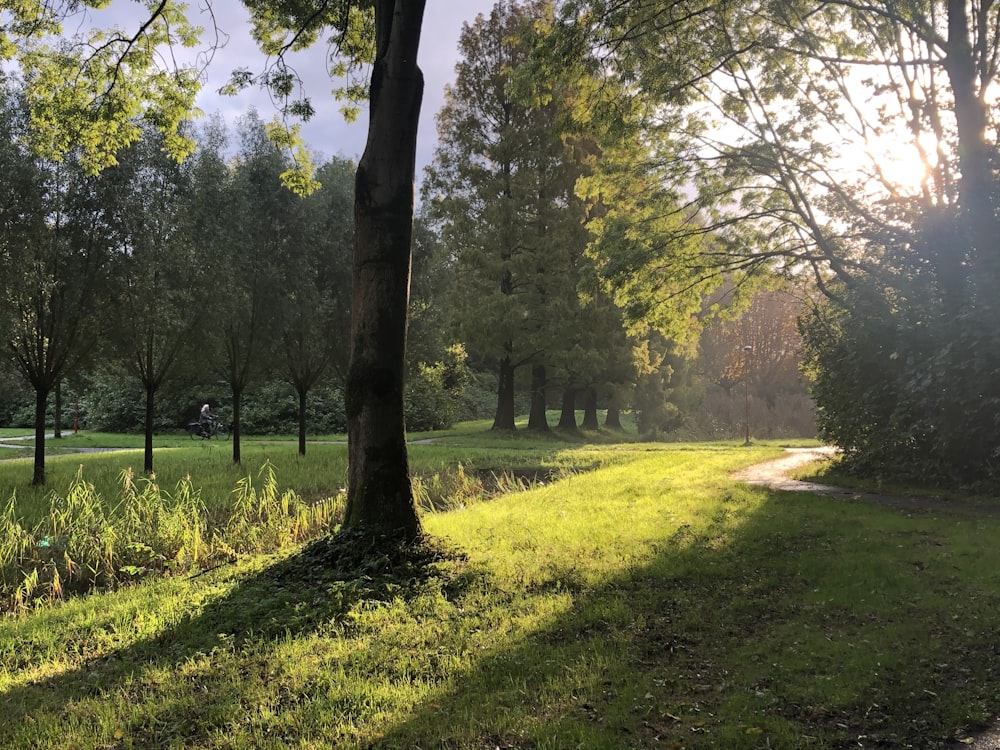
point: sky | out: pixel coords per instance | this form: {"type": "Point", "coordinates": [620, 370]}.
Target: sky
{"type": "Point", "coordinates": [326, 133]}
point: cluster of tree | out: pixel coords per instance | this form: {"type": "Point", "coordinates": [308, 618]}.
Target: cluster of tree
{"type": "Point", "coordinates": [562, 260]}
{"type": "Point", "coordinates": [575, 272]}
{"type": "Point", "coordinates": [793, 128]}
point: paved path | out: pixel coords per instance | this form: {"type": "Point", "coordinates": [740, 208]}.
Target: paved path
{"type": "Point", "coordinates": [9, 442]}
{"type": "Point", "coordinates": [774, 475]}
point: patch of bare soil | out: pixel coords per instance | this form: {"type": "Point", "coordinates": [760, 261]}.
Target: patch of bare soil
{"type": "Point", "coordinates": [774, 475]}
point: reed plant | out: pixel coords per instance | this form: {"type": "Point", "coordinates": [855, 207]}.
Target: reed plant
{"type": "Point", "coordinates": [87, 542]}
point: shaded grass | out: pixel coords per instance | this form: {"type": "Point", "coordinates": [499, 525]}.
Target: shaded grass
{"type": "Point", "coordinates": [647, 603]}
{"type": "Point", "coordinates": [830, 472]}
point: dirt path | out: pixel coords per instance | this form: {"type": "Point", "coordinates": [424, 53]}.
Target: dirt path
{"type": "Point", "coordinates": [774, 475]}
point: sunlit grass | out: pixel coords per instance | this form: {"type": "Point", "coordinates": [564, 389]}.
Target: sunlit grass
{"type": "Point", "coordinates": [638, 598]}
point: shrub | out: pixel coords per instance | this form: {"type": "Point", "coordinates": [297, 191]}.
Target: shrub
{"type": "Point", "coordinates": [434, 392]}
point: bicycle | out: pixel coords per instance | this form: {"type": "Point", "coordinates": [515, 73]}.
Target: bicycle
{"type": "Point", "coordinates": [214, 428]}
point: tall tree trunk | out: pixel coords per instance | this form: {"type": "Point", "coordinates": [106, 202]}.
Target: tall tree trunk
{"type": "Point", "coordinates": [147, 454]}
{"type": "Point", "coordinates": [237, 401]}
{"type": "Point", "coordinates": [613, 419]}
{"type": "Point", "coordinates": [41, 400]}
{"type": "Point", "coordinates": [567, 416]}
{"type": "Point", "coordinates": [504, 417]}
{"type": "Point", "coordinates": [590, 410]}
{"type": "Point", "coordinates": [57, 416]}
{"type": "Point", "coordinates": [977, 189]}
{"type": "Point", "coordinates": [379, 497]}
{"type": "Point", "coordinates": [536, 415]}
{"type": "Point", "coordinates": [302, 420]}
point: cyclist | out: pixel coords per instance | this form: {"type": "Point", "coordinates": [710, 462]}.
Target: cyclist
{"type": "Point", "coordinates": [205, 420]}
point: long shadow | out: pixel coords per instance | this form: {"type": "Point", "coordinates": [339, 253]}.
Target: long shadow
{"type": "Point", "coordinates": [296, 596]}
{"type": "Point", "coordinates": [669, 652]}
{"type": "Point", "coordinates": [677, 666]}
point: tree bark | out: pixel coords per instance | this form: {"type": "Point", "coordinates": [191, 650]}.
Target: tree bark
{"type": "Point", "coordinates": [567, 417]}
{"type": "Point", "coordinates": [504, 417]}
{"type": "Point", "coordinates": [590, 410]}
{"type": "Point", "coordinates": [57, 415]}
{"type": "Point", "coordinates": [613, 419]}
{"type": "Point", "coordinates": [536, 415]}
{"type": "Point", "coordinates": [41, 400]}
{"type": "Point", "coordinates": [147, 453]}
{"type": "Point", "coordinates": [237, 401]}
{"type": "Point", "coordinates": [379, 497]}
{"type": "Point", "coordinates": [977, 190]}
{"type": "Point", "coordinates": [302, 421]}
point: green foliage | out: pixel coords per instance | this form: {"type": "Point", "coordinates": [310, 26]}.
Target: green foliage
{"type": "Point", "coordinates": [16, 401]}
{"type": "Point", "coordinates": [479, 399]}
{"type": "Point", "coordinates": [114, 403]}
{"type": "Point", "coordinates": [87, 91]}
{"type": "Point", "coordinates": [281, 28]}
{"type": "Point", "coordinates": [906, 392]}
{"type": "Point", "coordinates": [434, 393]}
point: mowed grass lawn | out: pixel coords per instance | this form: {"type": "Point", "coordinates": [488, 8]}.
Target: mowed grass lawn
{"type": "Point", "coordinates": [637, 598]}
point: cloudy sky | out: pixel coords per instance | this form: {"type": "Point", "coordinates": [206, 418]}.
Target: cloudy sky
{"type": "Point", "coordinates": [326, 133]}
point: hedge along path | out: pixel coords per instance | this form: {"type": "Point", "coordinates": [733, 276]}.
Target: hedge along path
{"type": "Point", "coordinates": [774, 475]}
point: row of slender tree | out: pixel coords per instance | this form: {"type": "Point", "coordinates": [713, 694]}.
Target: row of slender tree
{"type": "Point", "coordinates": [166, 269]}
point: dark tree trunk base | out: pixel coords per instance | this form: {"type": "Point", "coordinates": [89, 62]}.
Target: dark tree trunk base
{"type": "Point", "coordinates": [567, 416]}
{"type": "Point", "coordinates": [590, 411]}
{"type": "Point", "coordinates": [504, 418]}
{"type": "Point", "coordinates": [613, 419]}
{"type": "Point", "coordinates": [536, 416]}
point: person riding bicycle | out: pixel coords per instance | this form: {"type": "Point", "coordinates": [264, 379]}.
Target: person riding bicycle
{"type": "Point", "coordinates": [205, 420]}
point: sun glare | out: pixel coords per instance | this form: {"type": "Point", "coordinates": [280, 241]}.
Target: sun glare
{"type": "Point", "coordinates": [895, 168]}
{"type": "Point", "coordinates": [905, 172]}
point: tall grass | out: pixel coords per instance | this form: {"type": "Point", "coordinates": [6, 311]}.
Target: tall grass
{"type": "Point", "coordinates": [86, 542]}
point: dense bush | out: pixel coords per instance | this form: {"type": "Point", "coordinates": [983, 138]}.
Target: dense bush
{"type": "Point", "coordinates": [17, 402]}
{"type": "Point", "coordinates": [479, 399]}
{"type": "Point", "coordinates": [907, 390]}
{"type": "Point", "coordinates": [270, 408]}
{"type": "Point", "coordinates": [434, 393]}
{"type": "Point", "coordinates": [113, 403]}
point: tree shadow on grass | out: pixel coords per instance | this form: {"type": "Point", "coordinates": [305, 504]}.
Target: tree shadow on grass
{"type": "Point", "coordinates": [693, 646]}
{"type": "Point", "coordinates": [698, 647]}
{"type": "Point", "coordinates": [313, 589]}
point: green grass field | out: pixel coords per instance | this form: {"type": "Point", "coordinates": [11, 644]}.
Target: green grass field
{"type": "Point", "coordinates": [623, 595]}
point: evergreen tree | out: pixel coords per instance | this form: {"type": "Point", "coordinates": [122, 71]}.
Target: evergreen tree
{"type": "Point", "coordinates": [501, 189]}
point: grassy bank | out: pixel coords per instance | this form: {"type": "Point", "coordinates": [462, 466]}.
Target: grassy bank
{"type": "Point", "coordinates": [636, 597]}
